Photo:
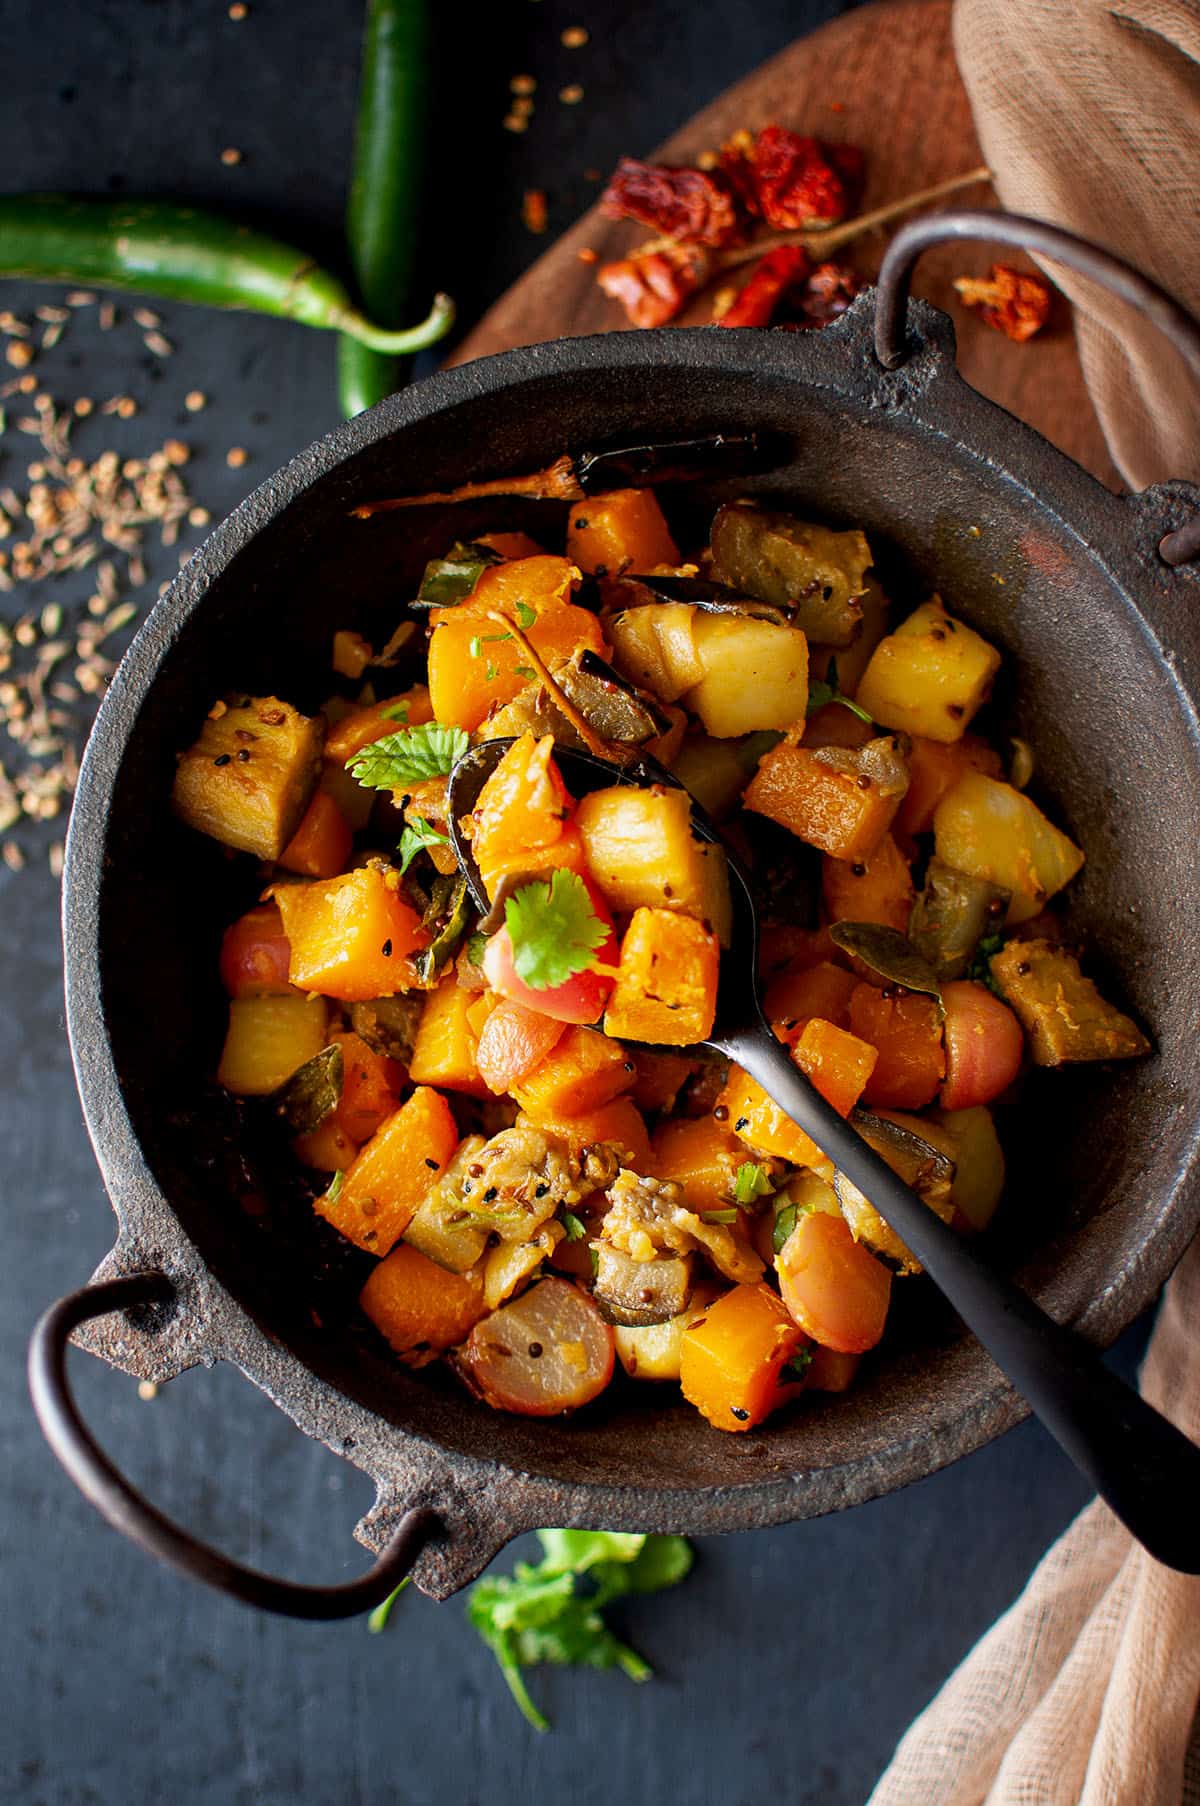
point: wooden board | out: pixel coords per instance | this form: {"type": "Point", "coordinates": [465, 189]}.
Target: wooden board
{"type": "Point", "coordinates": [883, 77]}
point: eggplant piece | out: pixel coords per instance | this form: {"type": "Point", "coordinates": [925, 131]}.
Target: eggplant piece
{"type": "Point", "coordinates": [952, 915]}
{"type": "Point", "coordinates": [1061, 1011]}
{"type": "Point", "coordinates": [611, 706]}
{"type": "Point", "coordinates": [816, 575]}
{"type": "Point", "coordinates": [699, 592]}
{"type": "Point", "coordinates": [679, 461]}
{"type": "Point", "coordinates": [313, 1092]}
{"type": "Point", "coordinates": [638, 1292]}
{"type": "Point", "coordinates": [388, 1025]}
{"type": "Point", "coordinates": [927, 1168]}
{"type": "Point", "coordinates": [889, 953]}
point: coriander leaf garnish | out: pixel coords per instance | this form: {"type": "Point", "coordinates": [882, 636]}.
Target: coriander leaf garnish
{"type": "Point", "coordinates": [822, 692]}
{"type": "Point", "coordinates": [428, 751]}
{"type": "Point", "coordinates": [797, 1368]}
{"type": "Point", "coordinates": [554, 930]}
{"type": "Point", "coordinates": [718, 1216]}
{"type": "Point", "coordinates": [396, 711]}
{"type": "Point", "coordinates": [751, 1183]}
{"type": "Point", "coordinates": [785, 1222]}
{"type": "Point", "coordinates": [417, 837]}
{"type": "Point", "coordinates": [526, 616]}
{"type": "Point", "coordinates": [334, 1191]}
{"type": "Point", "coordinates": [573, 1226]}
{"type": "Point", "coordinates": [980, 967]}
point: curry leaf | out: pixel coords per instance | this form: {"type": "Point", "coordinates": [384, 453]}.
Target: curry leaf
{"type": "Point", "coordinates": [889, 953]}
{"type": "Point", "coordinates": [450, 580]}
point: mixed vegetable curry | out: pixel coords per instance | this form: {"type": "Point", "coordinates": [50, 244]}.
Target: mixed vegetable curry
{"type": "Point", "coordinates": [512, 1111]}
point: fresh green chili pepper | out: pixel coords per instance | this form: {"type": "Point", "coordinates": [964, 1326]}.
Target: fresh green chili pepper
{"type": "Point", "coordinates": [186, 254]}
{"type": "Point", "coordinates": [383, 212]}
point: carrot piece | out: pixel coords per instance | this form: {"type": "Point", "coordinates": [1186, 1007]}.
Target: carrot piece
{"type": "Point", "coordinates": [327, 1147]}
{"type": "Point", "coordinates": [731, 1357]}
{"type": "Point", "coordinates": [907, 1033]}
{"type": "Point", "coordinates": [586, 1069]}
{"type": "Point", "coordinates": [512, 1041]}
{"type": "Point", "coordinates": [876, 889]}
{"type": "Point", "coordinates": [803, 991]}
{"type": "Point", "coordinates": [421, 1308]}
{"type": "Point", "coordinates": [820, 804]}
{"type": "Point", "coordinates": [839, 1064]}
{"type": "Point", "coordinates": [618, 1121]}
{"type": "Point", "coordinates": [700, 1154]}
{"type": "Point", "coordinates": [624, 530]}
{"type": "Point", "coordinates": [321, 844]}
{"type": "Point", "coordinates": [363, 726]}
{"type": "Point", "coordinates": [350, 936]}
{"type": "Point", "coordinates": [445, 1049]}
{"type": "Point", "coordinates": [370, 1088]}
{"type": "Point", "coordinates": [392, 1174]}
{"type": "Point", "coordinates": [666, 989]}
{"type": "Point", "coordinates": [255, 954]}
{"type": "Point", "coordinates": [833, 1286]}
{"type": "Point", "coordinates": [935, 767]}
{"type": "Point", "coordinates": [660, 1077]}
{"type": "Point", "coordinates": [522, 820]}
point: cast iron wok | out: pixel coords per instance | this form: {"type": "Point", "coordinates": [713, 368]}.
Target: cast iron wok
{"type": "Point", "coordinates": [1102, 641]}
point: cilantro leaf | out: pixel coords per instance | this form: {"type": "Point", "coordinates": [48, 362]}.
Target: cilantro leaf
{"type": "Point", "coordinates": [418, 835]}
{"type": "Point", "coordinates": [751, 1183]}
{"type": "Point", "coordinates": [573, 1226]}
{"type": "Point", "coordinates": [821, 693]}
{"type": "Point", "coordinates": [718, 1216]}
{"type": "Point", "coordinates": [396, 711]}
{"type": "Point", "coordinates": [785, 1222]}
{"type": "Point", "coordinates": [575, 1551]}
{"type": "Point", "coordinates": [526, 616]}
{"type": "Point", "coordinates": [334, 1190]}
{"type": "Point", "coordinates": [555, 931]}
{"type": "Point", "coordinates": [798, 1366]}
{"type": "Point", "coordinates": [450, 580]}
{"type": "Point", "coordinates": [428, 751]}
{"type": "Point", "coordinates": [980, 967]}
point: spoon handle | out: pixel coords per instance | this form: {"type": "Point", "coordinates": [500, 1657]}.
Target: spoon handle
{"type": "Point", "coordinates": [1145, 1469]}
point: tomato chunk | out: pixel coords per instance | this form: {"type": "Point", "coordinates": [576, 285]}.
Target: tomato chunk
{"type": "Point", "coordinates": [984, 1045]}
{"type": "Point", "coordinates": [255, 954]}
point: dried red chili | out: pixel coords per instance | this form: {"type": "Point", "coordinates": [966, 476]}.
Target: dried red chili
{"type": "Point", "coordinates": [827, 292]}
{"type": "Point", "coordinates": [779, 271]}
{"type": "Point", "coordinates": [652, 286]}
{"type": "Point", "coordinates": [693, 206]}
{"type": "Point", "coordinates": [802, 182]}
{"type": "Point", "coordinates": [1014, 302]}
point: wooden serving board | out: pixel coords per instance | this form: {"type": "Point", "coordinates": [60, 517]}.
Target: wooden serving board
{"type": "Point", "coordinates": [883, 77]}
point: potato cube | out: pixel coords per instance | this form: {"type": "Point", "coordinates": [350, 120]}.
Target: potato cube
{"type": "Point", "coordinates": [755, 675]}
{"type": "Point", "coordinates": [248, 778]}
{"type": "Point", "coordinates": [270, 1038]}
{"type": "Point", "coordinates": [841, 799]}
{"type": "Point", "coordinates": [641, 851]}
{"type": "Point", "coordinates": [930, 676]}
{"type": "Point", "coordinates": [991, 831]}
{"type": "Point", "coordinates": [654, 645]}
{"type": "Point", "coordinates": [651, 1351]}
{"type": "Point", "coordinates": [351, 936]}
{"type": "Point", "coordinates": [1061, 1011]}
{"type": "Point", "coordinates": [666, 989]}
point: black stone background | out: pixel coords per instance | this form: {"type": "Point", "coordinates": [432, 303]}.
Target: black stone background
{"type": "Point", "coordinates": [792, 1660]}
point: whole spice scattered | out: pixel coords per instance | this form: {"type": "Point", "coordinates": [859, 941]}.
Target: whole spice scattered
{"type": "Point", "coordinates": [777, 272]}
{"type": "Point", "coordinates": [687, 205]}
{"type": "Point", "coordinates": [1014, 302]}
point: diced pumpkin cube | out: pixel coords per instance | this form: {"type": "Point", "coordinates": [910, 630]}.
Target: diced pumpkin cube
{"type": "Point", "coordinates": [991, 831]}
{"type": "Point", "coordinates": [801, 991]}
{"type": "Point", "coordinates": [641, 851]}
{"type": "Point", "coordinates": [840, 799]}
{"type": "Point", "coordinates": [584, 1071]}
{"type": "Point", "coordinates": [755, 675]}
{"type": "Point", "coordinates": [839, 1064]}
{"type": "Point", "coordinates": [1061, 1011]}
{"type": "Point", "coordinates": [444, 1052]}
{"type": "Point", "coordinates": [473, 668]}
{"type": "Point", "coordinates": [269, 1038]}
{"type": "Point", "coordinates": [511, 545]}
{"type": "Point", "coordinates": [660, 1077]}
{"type": "Point", "coordinates": [654, 646]}
{"type": "Point", "coordinates": [732, 1356]}
{"type": "Point", "coordinates": [619, 1121]}
{"type": "Point", "coordinates": [624, 530]}
{"type": "Point", "coordinates": [321, 844]}
{"type": "Point", "coordinates": [362, 727]}
{"type": "Point", "coordinates": [666, 989]}
{"type": "Point", "coordinates": [521, 823]}
{"type": "Point", "coordinates": [351, 936]}
{"type": "Point", "coordinates": [370, 1088]}
{"type": "Point", "coordinates": [393, 1173]}
{"type": "Point", "coordinates": [930, 677]}
{"type": "Point", "coordinates": [328, 1148]}
{"type": "Point", "coordinates": [906, 1032]}
{"type": "Point", "coordinates": [934, 768]}
{"type": "Point", "coordinates": [419, 1307]}
{"type": "Point", "coordinates": [247, 780]}
{"type": "Point", "coordinates": [876, 889]}
{"type": "Point", "coordinates": [759, 1122]}
{"type": "Point", "coordinates": [700, 1154]}
{"type": "Point", "coordinates": [354, 803]}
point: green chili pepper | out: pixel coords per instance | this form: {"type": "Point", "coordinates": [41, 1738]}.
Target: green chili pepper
{"type": "Point", "coordinates": [383, 212]}
{"type": "Point", "coordinates": [186, 254]}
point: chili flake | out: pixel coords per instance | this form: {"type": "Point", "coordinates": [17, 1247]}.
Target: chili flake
{"type": "Point", "coordinates": [1014, 302]}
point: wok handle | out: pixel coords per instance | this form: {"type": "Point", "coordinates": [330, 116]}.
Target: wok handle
{"type": "Point", "coordinates": [127, 1511]}
{"type": "Point", "coordinates": [1034, 235]}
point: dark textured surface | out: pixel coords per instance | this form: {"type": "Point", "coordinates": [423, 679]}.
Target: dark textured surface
{"type": "Point", "coordinates": [793, 1658]}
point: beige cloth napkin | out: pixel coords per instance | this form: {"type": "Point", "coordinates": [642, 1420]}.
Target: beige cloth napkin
{"type": "Point", "coordinates": [1085, 1692]}
{"type": "Point", "coordinates": [1089, 116]}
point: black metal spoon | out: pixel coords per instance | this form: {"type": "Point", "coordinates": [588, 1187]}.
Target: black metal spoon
{"type": "Point", "coordinates": [1142, 1466]}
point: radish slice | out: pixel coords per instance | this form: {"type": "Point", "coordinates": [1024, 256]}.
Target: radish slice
{"type": "Point", "coordinates": [548, 1351]}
